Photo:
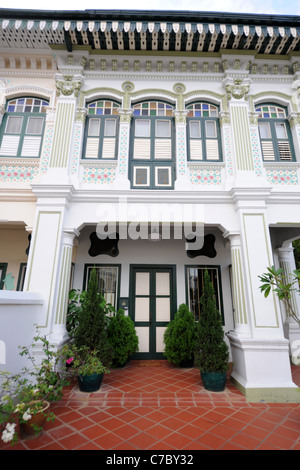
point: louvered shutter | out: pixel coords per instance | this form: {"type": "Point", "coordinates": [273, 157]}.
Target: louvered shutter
{"type": "Point", "coordinates": [92, 147]}
{"type": "Point", "coordinates": [268, 150]}
{"type": "Point", "coordinates": [196, 149]}
{"type": "Point", "coordinates": [212, 149]}
{"type": "Point", "coordinates": [285, 153]}
{"type": "Point", "coordinates": [163, 149]}
{"type": "Point", "coordinates": [9, 145]}
{"type": "Point", "coordinates": [109, 146]}
{"type": "Point", "coordinates": [142, 149]}
{"type": "Point", "coordinates": [31, 146]}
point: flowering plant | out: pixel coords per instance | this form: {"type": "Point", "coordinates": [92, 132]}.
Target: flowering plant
{"type": "Point", "coordinates": [23, 395]}
{"type": "Point", "coordinates": [82, 360]}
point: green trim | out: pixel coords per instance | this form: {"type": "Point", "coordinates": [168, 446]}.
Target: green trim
{"type": "Point", "coordinates": [203, 137]}
{"type": "Point", "coordinates": [21, 276]}
{"type": "Point", "coordinates": [203, 267]}
{"type": "Point", "coordinates": [274, 139]}
{"type": "Point", "coordinates": [22, 134]}
{"type": "Point", "coordinates": [100, 138]}
{"type": "Point", "coordinates": [152, 269]}
{"type": "Point", "coordinates": [151, 163]}
{"type": "Point", "coordinates": [3, 269]}
{"type": "Point", "coordinates": [88, 266]}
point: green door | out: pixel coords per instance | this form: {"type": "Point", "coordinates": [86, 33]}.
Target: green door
{"type": "Point", "coordinates": [152, 307]}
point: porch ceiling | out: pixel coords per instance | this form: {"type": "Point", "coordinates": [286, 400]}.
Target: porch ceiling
{"type": "Point", "coordinates": [121, 30]}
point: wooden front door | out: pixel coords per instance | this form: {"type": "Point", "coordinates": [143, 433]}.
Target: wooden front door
{"type": "Point", "coordinates": [152, 307]}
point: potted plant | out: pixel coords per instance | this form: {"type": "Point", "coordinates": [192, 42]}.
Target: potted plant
{"type": "Point", "coordinates": [122, 337]}
{"type": "Point", "coordinates": [85, 365]}
{"type": "Point", "coordinates": [91, 324]}
{"type": "Point", "coordinates": [25, 397]}
{"type": "Point", "coordinates": [180, 337]}
{"type": "Point", "coordinates": [211, 353]}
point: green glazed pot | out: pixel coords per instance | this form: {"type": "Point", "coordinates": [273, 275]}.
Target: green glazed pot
{"type": "Point", "coordinates": [90, 383]}
{"type": "Point", "coordinates": [214, 381]}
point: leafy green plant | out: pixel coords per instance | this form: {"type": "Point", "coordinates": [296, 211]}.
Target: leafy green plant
{"type": "Point", "coordinates": [91, 329]}
{"type": "Point", "coordinates": [180, 336]}
{"type": "Point", "coordinates": [276, 281]}
{"type": "Point", "coordinates": [23, 395]}
{"type": "Point", "coordinates": [82, 360]}
{"type": "Point", "coordinates": [123, 337]}
{"type": "Point", "coordinates": [212, 353]}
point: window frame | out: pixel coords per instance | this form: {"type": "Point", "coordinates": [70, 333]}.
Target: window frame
{"type": "Point", "coordinates": [272, 121]}
{"type": "Point", "coordinates": [102, 127]}
{"type": "Point", "coordinates": [217, 269]}
{"type": "Point", "coordinates": [87, 272]}
{"type": "Point", "coordinates": [153, 163]}
{"type": "Point", "coordinates": [25, 115]}
{"type": "Point", "coordinates": [203, 137]}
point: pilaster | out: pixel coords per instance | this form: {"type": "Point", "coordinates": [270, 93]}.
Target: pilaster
{"type": "Point", "coordinates": [291, 327]}
{"type": "Point", "coordinates": [48, 261]}
{"type": "Point", "coordinates": [259, 349]}
{"type": "Point", "coordinates": [68, 87]}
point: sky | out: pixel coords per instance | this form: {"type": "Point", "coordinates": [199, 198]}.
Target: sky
{"type": "Point", "coordinates": [273, 7]}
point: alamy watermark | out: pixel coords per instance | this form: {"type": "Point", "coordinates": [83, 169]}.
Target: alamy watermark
{"type": "Point", "coordinates": [149, 221]}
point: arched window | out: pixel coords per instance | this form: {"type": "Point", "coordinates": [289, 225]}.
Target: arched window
{"type": "Point", "coordinates": [23, 127]}
{"type": "Point", "coordinates": [151, 151]}
{"type": "Point", "coordinates": [203, 132]}
{"type": "Point", "coordinates": [275, 134]}
{"type": "Point", "coordinates": [102, 125]}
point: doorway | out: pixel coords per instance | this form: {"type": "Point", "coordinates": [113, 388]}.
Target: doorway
{"type": "Point", "coordinates": [152, 306]}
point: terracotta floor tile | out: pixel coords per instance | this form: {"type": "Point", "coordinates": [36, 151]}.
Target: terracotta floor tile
{"type": "Point", "coordinates": [142, 441]}
{"type": "Point", "coordinates": [73, 441]}
{"type": "Point", "coordinates": [212, 441]}
{"type": "Point", "coordinates": [246, 441]}
{"type": "Point", "coordinates": [93, 432]}
{"type": "Point", "coordinates": [170, 410]}
{"type": "Point", "coordinates": [108, 441]}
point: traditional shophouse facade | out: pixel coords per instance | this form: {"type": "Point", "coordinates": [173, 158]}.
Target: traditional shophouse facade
{"type": "Point", "coordinates": [126, 133]}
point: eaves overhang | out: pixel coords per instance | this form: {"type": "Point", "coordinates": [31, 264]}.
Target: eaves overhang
{"type": "Point", "coordinates": [131, 30]}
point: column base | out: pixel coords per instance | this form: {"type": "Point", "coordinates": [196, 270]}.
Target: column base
{"type": "Point", "coordinates": [262, 370]}
{"type": "Point", "coordinates": [292, 333]}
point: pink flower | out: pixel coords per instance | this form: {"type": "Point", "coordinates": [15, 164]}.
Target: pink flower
{"type": "Point", "coordinates": [70, 360]}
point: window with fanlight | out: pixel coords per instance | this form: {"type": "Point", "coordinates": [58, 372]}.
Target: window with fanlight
{"type": "Point", "coordinates": [203, 132]}
{"type": "Point", "coordinates": [152, 146]}
{"type": "Point", "coordinates": [101, 131]}
{"type": "Point", "coordinates": [275, 134]}
{"type": "Point", "coordinates": [23, 127]}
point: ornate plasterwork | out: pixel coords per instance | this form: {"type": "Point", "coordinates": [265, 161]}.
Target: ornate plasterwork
{"type": "Point", "coordinates": [99, 173]}
{"type": "Point", "coordinates": [68, 85]}
{"type": "Point", "coordinates": [18, 171]}
{"type": "Point", "coordinates": [237, 90]}
{"type": "Point", "coordinates": [30, 90]}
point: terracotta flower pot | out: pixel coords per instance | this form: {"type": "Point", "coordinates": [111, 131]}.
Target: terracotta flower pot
{"type": "Point", "coordinates": [27, 429]}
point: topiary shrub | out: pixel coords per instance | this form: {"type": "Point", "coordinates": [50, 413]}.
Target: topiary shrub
{"type": "Point", "coordinates": [212, 353]}
{"type": "Point", "coordinates": [91, 330]}
{"type": "Point", "coordinates": [180, 337]}
{"type": "Point", "coordinates": [122, 337]}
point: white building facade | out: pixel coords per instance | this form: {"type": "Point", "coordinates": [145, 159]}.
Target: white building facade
{"type": "Point", "coordinates": [151, 145]}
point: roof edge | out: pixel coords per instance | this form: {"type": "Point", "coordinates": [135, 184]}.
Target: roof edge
{"type": "Point", "coordinates": [152, 15]}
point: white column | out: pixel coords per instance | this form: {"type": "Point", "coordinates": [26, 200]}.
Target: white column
{"type": "Point", "coordinates": [240, 302]}
{"type": "Point", "coordinates": [58, 329]}
{"type": "Point", "coordinates": [259, 349]}
{"type": "Point", "coordinates": [183, 182]}
{"type": "Point", "coordinates": [291, 327]}
{"type": "Point", "coordinates": [122, 180]}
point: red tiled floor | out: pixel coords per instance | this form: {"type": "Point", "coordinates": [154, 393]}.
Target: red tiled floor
{"type": "Point", "coordinates": [161, 407]}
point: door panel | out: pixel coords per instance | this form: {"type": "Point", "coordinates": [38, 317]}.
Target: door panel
{"type": "Point", "coordinates": [152, 306]}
